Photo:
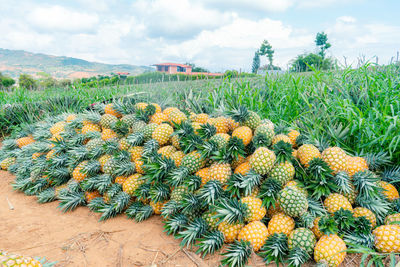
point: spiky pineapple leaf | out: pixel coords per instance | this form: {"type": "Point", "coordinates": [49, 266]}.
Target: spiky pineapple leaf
{"type": "Point", "coordinates": [237, 254]}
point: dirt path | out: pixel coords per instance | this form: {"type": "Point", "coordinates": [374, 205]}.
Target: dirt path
{"type": "Point", "coordinates": [78, 239]}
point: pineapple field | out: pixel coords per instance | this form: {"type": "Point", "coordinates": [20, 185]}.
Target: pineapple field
{"type": "Point", "coordinates": [289, 169]}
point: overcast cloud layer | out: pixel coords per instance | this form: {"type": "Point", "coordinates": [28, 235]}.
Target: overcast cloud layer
{"type": "Point", "coordinates": [218, 35]}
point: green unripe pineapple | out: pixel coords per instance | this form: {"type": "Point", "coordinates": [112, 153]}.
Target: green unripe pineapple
{"type": "Point", "coordinates": [292, 201]}
{"type": "Point", "coordinates": [282, 172]}
{"type": "Point", "coordinates": [94, 143]}
{"type": "Point", "coordinates": [148, 131]}
{"type": "Point", "coordinates": [129, 119]}
{"type": "Point", "coordinates": [252, 121]}
{"type": "Point", "coordinates": [303, 238]}
{"type": "Point", "coordinates": [265, 130]}
{"type": "Point", "coordinates": [192, 161]}
{"type": "Point", "coordinates": [178, 193]}
{"type": "Point", "coordinates": [107, 120]}
{"type": "Point", "coordinates": [138, 126]}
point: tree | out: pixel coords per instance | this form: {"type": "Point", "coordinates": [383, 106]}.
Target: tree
{"type": "Point", "coordinates": [6, 81]}
{"type": "Point", "coordinates": [256, 62]}
{"type": "Point", "coordinates": [197, 69]}
{"type": "Point", "coordinates": [266, 50]}
{"type": "Point", "coordinates": [321, 40]}
{"type": "Point", "coordinates": [303, 63]}
{"type": "Point", "coordinates": [26, 81]}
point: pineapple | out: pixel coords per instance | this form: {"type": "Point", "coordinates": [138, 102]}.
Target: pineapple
{"type": "Point", "coordinates": [389, 190]}
{"type": "Point", "coordinates": [194, 162]}
{"type": "Point", "coordinates": [129, 119]}
{"type": "Point", "coordinates": [157, 106]}
{"type": "Point", "coordinates": [201, 118]}
{"type": "Point", "coordinates": [103, 159]}
{"type": "Point", "coordinates": [244, 133]}
{"type": "Point", "coordinates": [256, 233]}
{"type": "Point", "coordinates": [138, 126]}
{"type": "Point", "coordinates": [221, 139]}
{"type": "Point", "coordinates": [280, 223]}
{"type": "Point", "coordinates": [123, 144]}
{"type": "Point", "coordinates": [177, 157]}
{"type": "Point", "coordinates": [209, 217]}
{"type": "Point", "coordinates": [243, 168]}
{"type": "Point", "coordinates": [162, 134]}
{"type": "Point", "coordinates": [7, 162]}
{"type": "Point", "coordinates": [136, 152]}
{"type": "Point", "coordinates": [330, 249]}
{"type": "Point", "coordinates": [303, 238]}
{"type": "Point", "coordinates": [281, 137]}
{"type": "Point", "coordinates": [176, 117]}
{"type": "Point", "coordinates": [178, 193]}
{"type": "Point", "coordinates": [166, 151]}
{"type": "Point", "coordinates": [220, 172]}
{"type": "Point", "coordinates": [108, 109]}
{"type": "Point", "coordinates": [292, 201]}
{"type": "Point", "coordinates": [356, 164]}
{"type": "Point", "coordinates": [293, 134]}
{"type": "Point", "coordinates": [120, 179]}
{"type": "Point", "coordinates": [265, 130]}
{"type": "Point", "coordinates": [393, 219]}
{"type": "Point", "coordinates": [70, 118]}
{"type": "Point", "coordinates": [58, 127]}
{"type": "Point", "coordinates": [141, 106]}
{"type": "Point", "coordinates": [221, 123]}
{"type": "Point", "coordinates": [336, 159]}
{"type": "Point", "coordinates": [158, 118]}
{"type": "Point", "coordinates": [283, 172]}
{"type": "Point", "coordinates": [24, 141]}
{"type": "Point", "coordinates": [90, 128]}
{"type": "Point", "coordinates": [168, 110]}
{"type": "Point", "coordinates": [108, 135]}
{"type": "Point", "coordinates": [230, 231]}
{"type": "Point", "coordinates": [77, 173]}
{"type": "Point", "coordinates": [89, 196]}
{"type": "Point", "coordinates": [255, 209]}
{"type": "Point", "coordinates": [107, 121]}
{"type": "Point", "coordinates": [336, 201]}
{"type": "Point", "coordinates": [157, 206]}
{"type": "Point", "coordinates": [204, 174]}
{"type": "Point", "coordinates": [315, 229]}
{"type": "Point", "coordinates": [262, 160]}
{"type": "Point", "coordinates": [148, 131]}
{"type": "Point", "coordinates": [306, 153]}
{"type": "Point", "coordinates": [387, 238]}
{"type": "Point", "coordinates": [232, 124]}
{"type": "Point", "coordinates": [132, 183]}
{"type": "Point", "coordinates": [364, 212]}
{"type": "Point", "coordinates": [246, 117]}
{"type": "Point", "coordinates": [7, 259]}
{"type": "Point", "coordinates": [138, 165]}
{"type": "Point", "coordinates": [175, 141]}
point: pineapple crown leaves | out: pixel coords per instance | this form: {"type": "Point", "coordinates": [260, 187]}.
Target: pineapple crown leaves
{"type": "Point", "coordinates": [142, 193]}
{"type": "Point", "coordinates": [395, 206]}
{"type": "Point", "coordinates": [97, 205]}
{"type": "Point", "coordinates": [112, 190]}
{"type": "Point", "coordinates": [328, 225]}
{"type": "Point", "coordinates": [358, 243]}
{"type": "Point", "coordinates": [392, 175]}
{"type": "Point", "coordinates": [47, 195]}
{"type": "Point", "coordinates": [283, 152]}
{"type": "Point", "coordinates": [269, 192]}
{"type": "Point", "coordinates": [60, 160]}
{"type": "Point", "coordinates": [159, 168]}
{"type": "Point", "coordinates": [343, 182]}
{"type": "Point", "coordinates": [133, 209]}
{"type": "Point", "coordinates": [376, 161]}
{"type": "Point", "coordinates": [281, 128]}
{"type": "Point", "coordinates": [110, 147]}
{"type": "Point", "coordinates": [211, 191]}
{"type": "Point", "coordinates": [170, 208]}
{"type": "Point", "coordinates": [149, 148]}
{"type": "Point", "coordinates": [36, 187]}
{"type": "Point", "coordinates": [135, 139]}
{"type": "Point", "coordinates": [177, 176]}
{"type": "Point", "coordinates": [206, 131]}
{"type": "Point", "coordinates": [344, 219]}
{"type": "Point", "coordinates": [159, 192]}
{"type": "Point", "coordinates": [91, 116]}
{"type": "Point", "coordinates": [275, 248]}
{"type": "Point", "coordinates": [120, 201]}
{"type": "Point", "coordinates": [315, 207]}
{"type": "Point", "coordinates": [208, 148]}
{"type": "Point", "coordinates": [77, 154]}
{"type": "Point", "coordinates": [22, 184]}
{"type": "Point", "coordinates": [124, 168]}
{"type": "Point", "coordinates": [250, 181]}
{"type": "Point", "coordinates": [98, 182]}
{"type": "Point", "coordinates": [260, 140]}
{"type": "Point", "coordinates": [193, 182]}
{"type": "Point", "coordinates": [191, 203]}
{"type": "Point", "coordinates": [107, 211]}
{"type": "Point", "coordinates": [183, 129]}
{"type": "Point", "coordinates": [380, 206]}
{"type": "Point", "coordinates": [321, 181]}
{"type": "Point", "coordinates": [237, 254]}
{"type": "Point", "coordinates": [233, 185]}
{"type": "Point", "coordinates": [233, 149]}
{"type": "Point", "coordinates": [70, 200]}
{"type": "Point", "coordinates": [297, 257]}
{"type": "Point", "coordinates": [361, 226]}
{"type": "Point", "coordinates": [306, 220]}
{"type": "Point", "coordinates": [57, 176]}
{"type": "Point", "coordinates": [121, 128]}
{"type": "Point", "coordinates": [231, 211]}
{"type": "Point", "coordinates": [240, 114]}
{"type": "Point", "coordinates": [210, 242]}
{"type": "Point", "coordinates": [124, 106]}
{"type": "Point", "coordinates": [192, 232]}
{"type": "Point", "coordinates": [175, 224]}
{"type": "Point", "coordinates": [143, 213]}
{"type": "Point", "coordinates": [366, 184]}
{"type": "Point", "coordinates": [92, 167]}
{"type": "Point", "coordinates": [190, 143]}
{"type": "Point", "coordinates": [142, 115]}
{"type": "Point", "coordinates": [9, 144]}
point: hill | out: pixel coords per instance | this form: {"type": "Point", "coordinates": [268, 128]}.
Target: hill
{"type": "Point", "coordinates": [14, 62]}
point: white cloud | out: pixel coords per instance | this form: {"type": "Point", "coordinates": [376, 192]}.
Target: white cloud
{"type": "Point", "coordinates": [323, 3]}
{"type": "Point", "coordinates": [58, 18]}
{"type": "Point", "coordinates": [245, 5]}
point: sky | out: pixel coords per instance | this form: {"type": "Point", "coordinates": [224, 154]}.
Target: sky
{"type": "Point", "coordinates": [215, 34]}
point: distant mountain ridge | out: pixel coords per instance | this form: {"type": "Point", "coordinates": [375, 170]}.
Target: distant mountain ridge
{"type": "Point", "coordinates": [15, 62]}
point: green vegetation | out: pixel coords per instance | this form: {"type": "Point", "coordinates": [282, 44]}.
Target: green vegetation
{"type": "Point", "coordinates": [5, 81]}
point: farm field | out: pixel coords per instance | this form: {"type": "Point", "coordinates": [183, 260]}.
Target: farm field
{"type": "Point", "coordinates": [219, 160]}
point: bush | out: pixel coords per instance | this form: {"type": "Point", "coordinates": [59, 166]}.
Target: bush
{"type": "Point", "coordinates": [26, 81]}
{"type": "Point", "coordinates": [304, 63]}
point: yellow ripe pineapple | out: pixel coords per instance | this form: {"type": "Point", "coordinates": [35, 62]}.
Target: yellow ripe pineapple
{"type": "Point", "coordinates": [294, 153]}
{"type": "Point", "coordinates": [256, 233]}
{"type": "Point", "coordinates": [281, 137]}
{"type": "Point", "coordinates": [389, 190]}
{"type": "Point", "coordinates": [141, 105]}
{"type": "Point", "coordinates": [58, 127]}
{"type": "Point", "coordinates": [177, 157]}
{"type": "Point", "coordinates": [24, 141]}
{"type": "Point", "coordinates": [157, 206]}
{"type": "Point", "coordinates": [166, 151]}
{"type": "Point", "coordinates": [239, 160]}
{"type": "Point", "coordinates": [157, 106]}
{"type": "Point", "coordinates": [132, 183]}
{"type": "Point", "coordinates": [230, 231]}
{"type": "Point", "coordinates": [243, 168]}
{"type": "Point", "coordinates": [232, 124]}
{"type": "Point", "coordinates": [220, 172]}
{"type": "Point", "coordinates": [7, 162]}
{"type": "Point", "coordinates": [281, 223]}
{"type": "Point", "coordinates": [50, 154]}
{"type": "Point", "coordinates": [336, 158]}
{"type": "Point", "coordinates": [336, 201]}
{"type": "Point", "coordinates": [8, 259]}
{"type": "Point", "coordinates": [123, 144]}
{"type": "Point", "coordinates": [162, 133]}
{"type": "Point", "coordinates": [168, 110]}
{"type": "Point", "coordinates": [201, 118]}
{"type": "Point", "coordinates": [331, 250]}
{"type": "Point", "coordinates": [138, 165]}
{"type": "Point", "coordinates": [175, 141]}
{"type": "Point", "coordinates": [393, 219]}
{"type": "Point", "coordinates": [36, 155]}
{"type": "Point", "coordinates": [306, 153]}
{"type": "Point", "coordinates": [204, 174]}
{"type": "Point", "coordinates": [221, 123]}
{"type": "Point", "coordinates": [89, 196]}
{"type": "Point", "coordinates": [196, 127]}
{"type": "Point", "coordinates": [387, 238]}
{"type": "Point", "coordinates": [108, 109]}
{"type": "Point", "coordinates": [244, 133]}
{"type": "Point", "coordinates": [120, 179]}
{"type": "Point", "coordinates": [158, 118]}
{"type": "Point", "coordinates": [108, 134]}
{"type": "Point", "coordinates": [136, 152]}
{"type": "Point", "coordinates": [356, 164]}
{"type": "Point", "coordinates": [293, 134]}
{"type": "Point", "coordinates": [103, 159]}
{"type": "Point", "coordinates": [77, 173]}
{"type": "Point", "coordinates": [255, 209]}
{"type": "Point", "coordinates": [315, 229]}
{"type": "Point", "coordinates": [70, 118]}
{"type": "Point", "coordinates": [90, 127]}
{"type": "Point", "coordinates": [364, 212]}
{"type": "Point", "coordinates": [262, 160]}
{"type": "Point", "coordinates": [176, 117]}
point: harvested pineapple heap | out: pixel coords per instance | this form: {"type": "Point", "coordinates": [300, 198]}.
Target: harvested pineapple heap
{"type": "Point", "coordinates": [233, 179]}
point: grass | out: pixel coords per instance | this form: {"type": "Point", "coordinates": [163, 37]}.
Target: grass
{"type": "Point", "coordinates": [357, 109]}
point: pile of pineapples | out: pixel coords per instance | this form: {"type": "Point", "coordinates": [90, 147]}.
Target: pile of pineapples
{"type": "Point", "coordinates": [233, 178]}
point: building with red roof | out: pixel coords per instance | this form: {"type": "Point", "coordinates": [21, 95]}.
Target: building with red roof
{"type": "Point", "coordinates": [175, 68]}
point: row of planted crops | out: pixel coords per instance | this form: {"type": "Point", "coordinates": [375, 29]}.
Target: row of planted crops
{"type": "Point", "coordinates": [233, 184]}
